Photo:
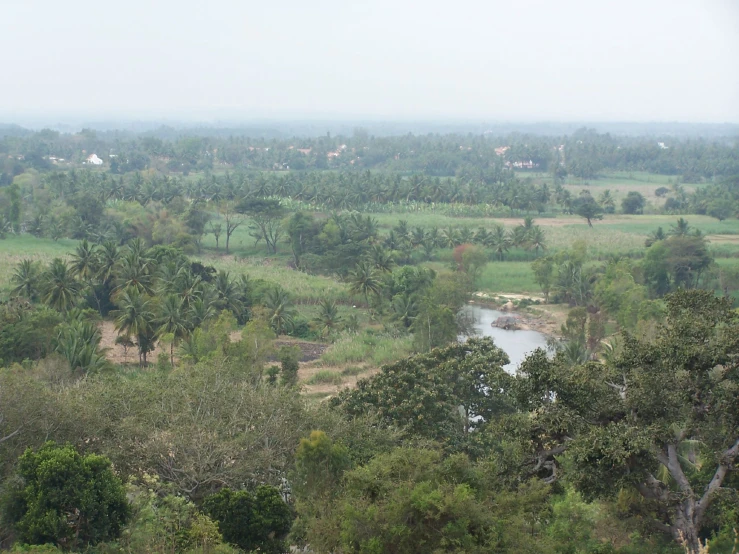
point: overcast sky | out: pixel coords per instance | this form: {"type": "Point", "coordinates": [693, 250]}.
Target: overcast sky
{"type": "Point", "coordinates": [604, 60]}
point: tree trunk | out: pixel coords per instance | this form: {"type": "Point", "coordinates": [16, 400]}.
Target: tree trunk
{"type": "Point", "coordinates": [684, 531]}
{"type": "Point", "coordinates": [171, 353]}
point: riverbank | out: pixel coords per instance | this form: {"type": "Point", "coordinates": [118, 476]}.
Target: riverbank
{"type": "Point", "coordinates": [533, 314]}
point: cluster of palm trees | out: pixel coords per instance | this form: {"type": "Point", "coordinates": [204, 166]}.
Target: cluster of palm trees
{"type": "Point", "coordinates": [156, 292]}
{"type": "Point", "coordinates": [528, 236]}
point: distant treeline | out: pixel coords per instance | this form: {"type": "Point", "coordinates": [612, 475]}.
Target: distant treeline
{"type": "Point", "coordinates": [584, 154]}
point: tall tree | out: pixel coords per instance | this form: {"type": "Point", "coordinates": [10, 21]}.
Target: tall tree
{"type": "Point", "coordinates": [660, 419]}
{"type": "Point", "coordinates": [60, 289]}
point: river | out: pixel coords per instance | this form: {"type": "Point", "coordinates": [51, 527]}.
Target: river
{"type": "Point", "coordinates": [517, 344]}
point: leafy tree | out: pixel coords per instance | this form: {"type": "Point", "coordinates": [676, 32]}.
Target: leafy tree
{"type": "Point", "coordinates": [265, 215]}
{"type": "Point", "coordinates": [425, 392]}
{"type": "Point", "coordinates": [65, 498]}
{"type": "Point", "coordinates": [657, 420]}
{"type": "Point", "coordinates": [439, 320]}
{"type": "Point", "coordinates": [289, 365]}
{"type": "Point", "coordinates": [606, 200]}
{"type": "Point", "coordinates": [415, 500]}
{"type": "Point", "coordinates": [633, 203]}
{"type": "Point", "coordinates": [301, 231]}
{"type": "Point", "coordinates": [543, 269]}
{"type": "Point", "coordinates": [26, 332]}
{"type": "Point", "coordinates": [586, 207]}
{"type": "Point", "coordinates": [257, 521]}
{"type": "Point", "coordinates": [233, 220]}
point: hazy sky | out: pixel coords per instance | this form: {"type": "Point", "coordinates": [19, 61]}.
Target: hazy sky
{"type": "Point", "coordinates": [637, 60]}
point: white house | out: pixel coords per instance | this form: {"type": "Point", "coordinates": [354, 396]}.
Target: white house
{"type": "Point", "coordinates": [93, 159]}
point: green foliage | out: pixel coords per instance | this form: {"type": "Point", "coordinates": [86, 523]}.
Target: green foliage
{"type": "Point", "coordinates": [252, 521]}
{"type": "Point", "coordinates": [424, 393]}
{"type": "Point", "coordinates": [164, 522]}
{"type": "Point", "coordinates": [657, 404]}
{"type": "Point", "coordinates": [289, 365]}
{"type": "Point", "coordinates": [26, 332]}
{"type": "Point", "coordinates": [325, 377]}
{"type": "Point", "coordinates": [65, 498]}
{"type": "Point", "coordinates": [438, 322]}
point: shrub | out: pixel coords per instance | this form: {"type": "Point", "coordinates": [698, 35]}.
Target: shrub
{"type": "Point", "coordinates": [66, 499]}
{"type": "Point", "coordinates": [256, 521]}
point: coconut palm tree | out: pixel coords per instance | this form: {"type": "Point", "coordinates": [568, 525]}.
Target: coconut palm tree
{"type": "Point", "coordinates": [364, 280]}
{"type": "Point", "coordinates": [108, 256]}
{"type": "Point", "coordinates": [498, 240]}
{"type": "Point", "coordinates": [655, 236]}
{"type": "Point", "coordinates": [381, 259]}
{"type": "Point", "coordinates": [60, 289]}
{"type": "Point", "coordinates": [26, 278]}
{"type": "Point", "coordinates": [171, 319]}
{"type": "Point", "coordinates": [133, 273]}
{"type": "Point", "coordinates": [228, 294]}
{"type": "Point", "coordinates": [328, 317]}
{"type": "Point", "coordinates": [135, 318]}
{"type": "Point", "coordinates": [281, 312]}
{"type": "Point", "coordinates": [85, 261]}
{"type": "Point", "coordinates": [537, 239]}
{"type": "Point", "coordinates": [404, 310]}
{"type": "Point", "coordinates": [681, 228]}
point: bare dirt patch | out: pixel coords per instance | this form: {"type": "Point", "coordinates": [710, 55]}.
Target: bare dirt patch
{"type": "Point", "coordinates": [309, 350]}
{"type": "Point", "coordinates": [116, 353]}
{"type": "Point", "coordinates": [308, 370]}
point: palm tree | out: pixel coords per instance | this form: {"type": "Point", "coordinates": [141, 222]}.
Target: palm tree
{"type": "Point", "coordinates": [328, 317]}
{"type": "Point", "coordinates": [171, 320]}
{"type": "Point", "coordinates": [380, 258]}
{"type": "Point", "coordinates": [681, 228]}
{"type": "Point", "coordinates": [450, 237]}
{"type": "Point", "coordinates": [281, 312]}
{"type": "Point", "coordinates": [606, 200]}
{"type": "Point", "coordinates": [228, 294]}
{"type": "Point", "coordinates": [364, 280]}
{"type": "Point", "coordinates": [26, 278]}
{"type": "Point", "coordinates": [85, 261]}
{"type": "Point", "coordinates": [108, 256]}
{"type": "Point", "coordinates": [60, 289]}
{"type": "Point", "coordinates": [498, 240]}
{"type": "Point", "coordinates": [404, 309]}
{"type": "Point", "coordinates": [482, 236]}
{"type": "Point", "coordinates": [536, 239]}
{"type": "Point", "coordinates": [655, 236]}
{"type": "Point", "coordinates": [133, 273]}
{"type": "Point", "coordinates": [135, 318]}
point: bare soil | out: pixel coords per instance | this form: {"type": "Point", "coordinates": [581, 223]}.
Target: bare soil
{"type": "Point", "coordinates": [117, 354]}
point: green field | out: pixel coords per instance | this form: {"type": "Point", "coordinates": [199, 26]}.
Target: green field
{"type": "Point", "coordinates": [615, 234]}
